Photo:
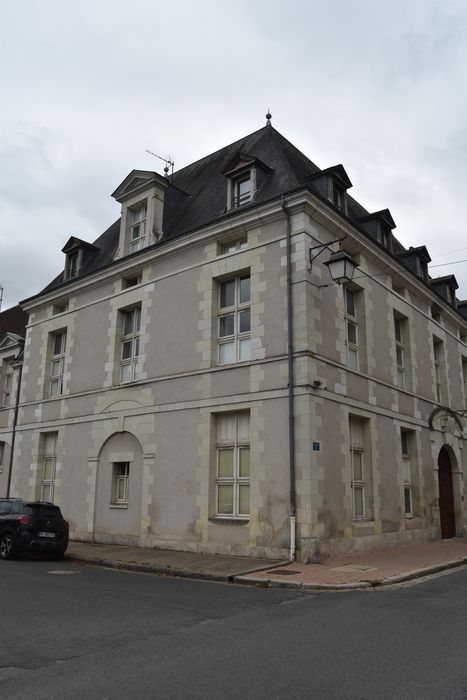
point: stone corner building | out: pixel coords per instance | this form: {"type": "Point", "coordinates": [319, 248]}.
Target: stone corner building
{"type": "Point", "coordinates": [195, 380]}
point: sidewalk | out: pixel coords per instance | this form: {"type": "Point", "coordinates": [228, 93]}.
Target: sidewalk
{"type": "Point", "coordinates": [379, 567]}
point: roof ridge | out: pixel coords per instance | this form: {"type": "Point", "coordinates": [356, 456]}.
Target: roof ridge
{"type": "Point", "coordinates": [230, 145]}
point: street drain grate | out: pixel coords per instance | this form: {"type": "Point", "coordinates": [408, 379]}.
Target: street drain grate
{"type": "Point", "coordinates": [284, 572]}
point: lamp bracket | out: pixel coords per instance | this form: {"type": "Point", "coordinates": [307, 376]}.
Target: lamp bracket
{"type": "Point", "coordinates": [321, 248]}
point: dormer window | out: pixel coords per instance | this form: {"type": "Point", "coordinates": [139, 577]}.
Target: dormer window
{"type": "Point", "coordinates": [142, 195]}
{"type": "Point", "coordinates": [332, 184]}
{"type": "Point", "coordinates": [245, 176]}
{"type": "Point", "coordinates": [138, 228]}
{"type": "Point", "coordinates": [77, 254]}
{"type": "Point", "coordinates": [241, 191]}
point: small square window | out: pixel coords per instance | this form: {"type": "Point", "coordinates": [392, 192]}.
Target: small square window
{"type": "Point", "coordinates": [60, 308]}
{"type": "Point", "coordinates": [128, 282]}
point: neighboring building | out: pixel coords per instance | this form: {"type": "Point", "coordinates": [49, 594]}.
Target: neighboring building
{"type": "Point", "coordinates": [155, 396]}
{"type": "Point", "coordinates": [12, 332]}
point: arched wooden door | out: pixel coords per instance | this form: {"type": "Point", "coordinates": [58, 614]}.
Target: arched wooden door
{"type": "Point", "coordinates": [446, 495]}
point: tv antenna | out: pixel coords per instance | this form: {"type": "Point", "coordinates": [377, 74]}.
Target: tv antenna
{"type": "Point", "coordinates": [168, 163]}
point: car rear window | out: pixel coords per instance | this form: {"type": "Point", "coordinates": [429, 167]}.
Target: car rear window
{"type": "Point", "coordinates": [35, 509]}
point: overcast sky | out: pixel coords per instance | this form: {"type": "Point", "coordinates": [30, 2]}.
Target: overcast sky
{"type": "Point", "coordinates": [87, 86]}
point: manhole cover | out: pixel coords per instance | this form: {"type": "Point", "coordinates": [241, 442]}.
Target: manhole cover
{"type": "Point", "coordinates": [284, 572]}
{"type": "Point", "coordinates": [62, 572]}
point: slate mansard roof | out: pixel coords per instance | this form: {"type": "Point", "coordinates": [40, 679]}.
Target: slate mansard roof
{"type": "Point", "coordinates": [196, 195]}
{"type": "Point", "coordinates": [13, 320]}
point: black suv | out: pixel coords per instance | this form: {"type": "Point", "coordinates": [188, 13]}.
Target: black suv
{"type": "Point", "coordinates": [27, 526]}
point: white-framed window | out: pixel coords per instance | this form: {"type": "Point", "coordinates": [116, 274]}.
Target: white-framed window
{"type": "Point", "coordinates": [351, 328]}
{"type": "Point", "coordinates": [438, 359]}
{"type": "Point", "coordinates": [72, 264]}
{"type": "Point", "coordinates": [120, 483]}
{"type": "Point", "coordinates": [57, 363]}
{"type": "Point", "coordinates": [7, 386]}
{"type": "Point", "coordinates": [137, 228]}
{"type": "Point", "coordinates": [49, 459]}
{"type": "Point", "coordinates": [242, 190]}
{"type": "Point", "coordinates": [234, 325]}
{"type": "Point", "coordinates": [130, 343]}
{"type": "Point", "coordinates": [338, 195]}
{"type": "Point", "coordinates": [406, 442]}
{"type": "Point", "coordinates": [400, 350]}
{"type": "Point", "coordinates": [361, 469]}
{"type": "Point", "coordinates": [233, 465]}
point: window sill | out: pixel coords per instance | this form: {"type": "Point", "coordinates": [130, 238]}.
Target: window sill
{"type": "Point", "coordinates": [119, 506]}
{"type": "Point", "coordinates": [218, 520]}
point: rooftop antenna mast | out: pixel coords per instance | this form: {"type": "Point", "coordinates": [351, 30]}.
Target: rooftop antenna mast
{"type": "Point", "coordinates": [168, 162]}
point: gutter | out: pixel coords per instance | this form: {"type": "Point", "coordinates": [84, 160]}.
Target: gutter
{"type": "Point", "coordinates": [293, 495]}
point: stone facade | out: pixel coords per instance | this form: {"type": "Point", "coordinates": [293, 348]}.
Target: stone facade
{"type": "Point", "coordinates": [137, 462]}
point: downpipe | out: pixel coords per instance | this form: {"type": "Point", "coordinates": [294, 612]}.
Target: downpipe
{"type": "Point", "coordinates": [291, 421]}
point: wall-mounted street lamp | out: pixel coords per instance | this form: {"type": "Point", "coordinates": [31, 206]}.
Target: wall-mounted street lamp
{"type": "Point", "coordinates": [341, 266]}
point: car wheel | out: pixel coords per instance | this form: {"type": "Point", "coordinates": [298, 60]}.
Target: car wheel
{"type": "Point", "coordinates": [7, 546]}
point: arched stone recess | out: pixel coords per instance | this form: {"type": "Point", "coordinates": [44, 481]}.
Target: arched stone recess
{"type": "Point", "coordinates": [128, 440]}
{"type": "Point", "coordinates": [118, 491]}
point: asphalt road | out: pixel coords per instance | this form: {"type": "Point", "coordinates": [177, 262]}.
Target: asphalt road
{"type": "Point", "coordinates": [92, 634]}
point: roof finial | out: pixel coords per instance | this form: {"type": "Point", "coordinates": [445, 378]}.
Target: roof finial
{"type": "Point", "coordinates": [268, 118]}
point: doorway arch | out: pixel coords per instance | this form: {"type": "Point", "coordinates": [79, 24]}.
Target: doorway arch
{"type": "Point", "coordinates": [446, 495]}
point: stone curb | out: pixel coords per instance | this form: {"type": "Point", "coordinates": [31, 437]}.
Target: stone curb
{"type": "Point", "coordinates": [246, 579]}
{"type": "Point", "coordinates": [358, 585]}
{"type": "Point", "coordinates": [141, 567]}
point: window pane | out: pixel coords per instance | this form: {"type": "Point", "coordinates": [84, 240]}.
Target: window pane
{"type": "Point", "coordinates": [404, 442]}
{"type": "Point", "coordinates": [400, 357]}
{"type": "Point", "coordinates": [56, 367]}
{"type": "Point", "coordinates": [352, 359]}
{"type": "Point", "coordinates": [226, 353]}
{"type": "Point", "coordinates": [244, 290]}
{"type": "Point", "coordinates": [244, 427]}
{"type": "Point", "coordinates": [244, 499]}
{"type": "Point", "coordinates": [136, 347]}
{"type": "Point", "coordinates": [227, 296]}
{"type": "Point", "coordinates": [47, 492]}
{"type": "Point", "coordinates": [226, 325]}
{"type": "Point", "coordinates": [136, 370]}
{"type": "Point", "coordinates": [49, 469]}
{"type": "Point", "coordinates": [225, 499]}
{"type": "Point", "coordinates": [127, 323]}
{"type": "Point", "coordinates": [59, 344]}
{"type": "Point", "coordinates": [352, 333]}
{"type": "Point", "coordinates": [226, 426]}
{"type": "Point", "coordinates": [245, 321]}
{"type": "Point", "coordinates": [408, 499]}
{"type": "Point", "coordinates": [225, 464]}
{"type": "Point", "coordinates": [127, 347]}
{"type": "Point", "coordinates": [357, 466]}
{"type": "Point", "coordinates": [245, 349]}
{"type": "Point", "coordinates": [244, 462]}
{"type": "Point", "coordinates": [358, 502]}
{"type": "Point", "coordinates": [350, 302]}
{"type": "Point", "coordinates": [54, 387]}
{"type": "Point", "coordinates": [397, 329]}
{"type": "Point", "coordinates": [126, 373]}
